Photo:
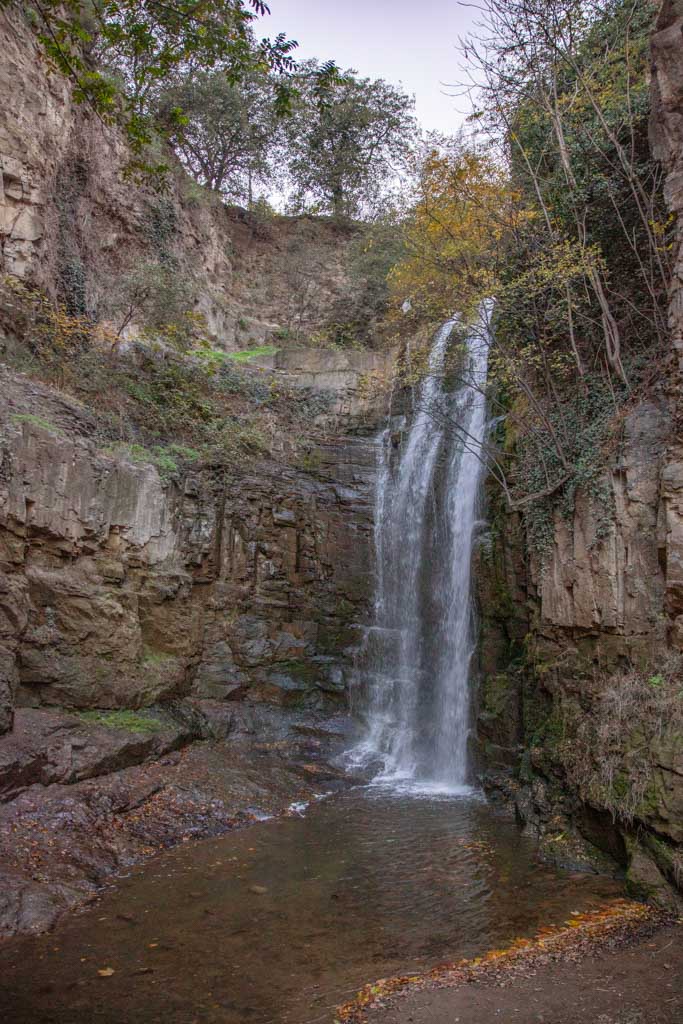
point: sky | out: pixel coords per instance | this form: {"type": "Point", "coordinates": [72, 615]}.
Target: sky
{"type": "Point", "coordinates": [408, 42]}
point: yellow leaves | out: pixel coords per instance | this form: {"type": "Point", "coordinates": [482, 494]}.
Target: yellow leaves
{"type": "Point", "coordinates": [106, 972]}
{"type": "Point", "coordinates": [592, 925]}
{"type": "Point", "coordinates": [52, 326]}
{"type": "Point", "coordinates": [464, 209]}
{"type": "Point", "coordinates": [372, 384]}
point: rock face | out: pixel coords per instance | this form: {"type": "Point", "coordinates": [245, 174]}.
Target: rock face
{"type": "Point", "coordinates": [667, 143]}
{"type": "Point", "coordinates": [610, 590]}
{"type": "Point", "coordinates": [72, 224]}
{"type": "Point", "coordinates": [556, 637]}
{"type": "Point", "coordinates": [210, 611]}
{"type": "Point", "coordinates": [608, 597]}
{"type": "Point", "coordinates": [119, 590]}
{"type": "Point", "coordinates": [226, 601]}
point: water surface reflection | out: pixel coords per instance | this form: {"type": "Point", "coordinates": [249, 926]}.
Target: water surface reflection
{"type": "Point", "coordinates": [281, 922]}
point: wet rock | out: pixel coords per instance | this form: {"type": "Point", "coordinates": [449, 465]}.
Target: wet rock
{"type": "Point", "coordinates": [644, 880]}
{"type": "Point", "coordinates": [103, 603]}
{"type": "Point", "coordinates": [59, 843]}
{"type": "Point", "coordinates": [27, 906]}
{"type": "Point", "coordinates": [51, 747]}
{"type": "Point", "coordinates": [8, 684]}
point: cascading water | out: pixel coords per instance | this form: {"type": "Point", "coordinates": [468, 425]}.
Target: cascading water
{"type": "Point", "coordinates": [416, 666]}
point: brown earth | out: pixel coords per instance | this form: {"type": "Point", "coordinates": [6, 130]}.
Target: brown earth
{"type": "Point", "coordinates": [631, 981]}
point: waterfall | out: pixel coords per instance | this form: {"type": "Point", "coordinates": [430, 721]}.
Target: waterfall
{"type": "Point", "coordinates": [414, 674]}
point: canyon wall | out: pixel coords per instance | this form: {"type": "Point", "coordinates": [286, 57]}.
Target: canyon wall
{"type": "Point", "coordinates": [175, 640]}
{"type": "Point", "coordinates": [565, 638]}
{"type": "Point", "coordinates": [120, 588]}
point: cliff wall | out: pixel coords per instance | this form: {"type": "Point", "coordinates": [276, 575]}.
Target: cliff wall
{"type": "Point", "coordinates": [120, 589]}
{"type": "Point", "coordinates": [579, 648]}
{"type": "Point", "coordinates": [74, 223]}
{"type": "Point", "coordinates": [207, 606]}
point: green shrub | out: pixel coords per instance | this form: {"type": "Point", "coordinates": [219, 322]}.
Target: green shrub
{"type": "Point", "coordinates": [232, 439]}
{"type": "Point", "coordinates": [160, 225]}
{"type": "Point", "coordinates": [150, 656]}
{"type": "Point", "coordinates": [246, 355]}
{"type": "Point", "coordinates": [611, 754]}
{"type": "Point", "coordinates": [158, 299]}
{"type": "Point", "coordinates": [157, 456]}
{"type": "Point", "coordinates": [161, 408]}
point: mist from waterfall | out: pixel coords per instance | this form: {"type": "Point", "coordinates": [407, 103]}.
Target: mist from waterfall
{"type": "Point", "coordinates": [414, 675]}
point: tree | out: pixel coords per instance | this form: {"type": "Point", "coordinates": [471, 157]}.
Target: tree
{"type": "Point", "coordinates": [566, 226]}
{"type": "Point", "coordinates": [118, 52]}
{"type": "Point", "coordinates": [347, 139]}
{"type": "Point", "coordinates": [226, 134]}
{"type": "Point", "coordinates": [575, 246]}
{"type": "Point", "coordinates": [565, 84]}
{"type": "Point", "coordinates": [463, 208]}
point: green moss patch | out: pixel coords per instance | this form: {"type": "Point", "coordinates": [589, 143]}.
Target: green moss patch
{"type": "Point", "coordinates": [247, 354]}
{"type": "Point", "coordinates": [495, 694]}
{"type": "Point", "coordinates": [150, 656]}
{"type": "Point", "coordinates": [129, 721]}
{"type": "Point", "coordinates": [36, 421]}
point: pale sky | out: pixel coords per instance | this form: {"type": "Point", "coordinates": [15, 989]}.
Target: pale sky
{"type": "Point", "coordinates": [407, 42]}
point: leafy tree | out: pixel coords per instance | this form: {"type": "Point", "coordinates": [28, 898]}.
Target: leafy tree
{"type": "Point", "coordinates": [226, 133]}
{"type": "Point", "coordinates": [564, 83]}
{"type": "Point", "coordinates": [558, 211]}
{"type": "Point", "coordinates": [347, 138]}
{"type": "Point", "coordinates": [463, 207]}
{"type": "Point", "coordinates": [153, 296]}
{"type": "Point", "coordinates": [118, 52]}
{"type": "Point", "coordinates": [581, 269]}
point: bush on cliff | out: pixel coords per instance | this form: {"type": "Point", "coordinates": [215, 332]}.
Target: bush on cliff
{"type": "Point", "coordinates": [555, 206]}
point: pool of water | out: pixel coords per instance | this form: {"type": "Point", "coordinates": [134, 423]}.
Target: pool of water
{"type": "Point", "coordinates": [283, 921]}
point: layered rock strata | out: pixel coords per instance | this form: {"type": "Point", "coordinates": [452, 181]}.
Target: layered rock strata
{"type": "Point", "coordinates": [607, 600]}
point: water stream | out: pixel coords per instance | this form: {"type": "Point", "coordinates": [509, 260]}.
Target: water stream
{"type": "Point", "coordinates": [415, 669]}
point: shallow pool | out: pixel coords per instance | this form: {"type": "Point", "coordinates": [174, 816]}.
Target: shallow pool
{"type": "Point", "coordinates": [283, 921]}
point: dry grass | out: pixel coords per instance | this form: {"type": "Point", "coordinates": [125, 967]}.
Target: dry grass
{"type": "Point", "coordinates": [612, 755]}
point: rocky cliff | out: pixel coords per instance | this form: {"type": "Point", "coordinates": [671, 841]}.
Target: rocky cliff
{"type": "Point", "coordinates": [209, 608]}
{"type": "Point", "coordinates": [578, 650]}
{"type": "Point", "coordinates": [174, 645]}
{"type": "Point", "coordinates": [73, 222]}
{"type": "Point", "coordinates": [121, 589]}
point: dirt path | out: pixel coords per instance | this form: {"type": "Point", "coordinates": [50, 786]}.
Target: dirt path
{"type": "Point", "coordinates": [639, 984]}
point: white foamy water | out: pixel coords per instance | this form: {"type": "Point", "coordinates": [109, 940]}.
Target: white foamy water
{"type": "Point", "coordinates": [415, 672]}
